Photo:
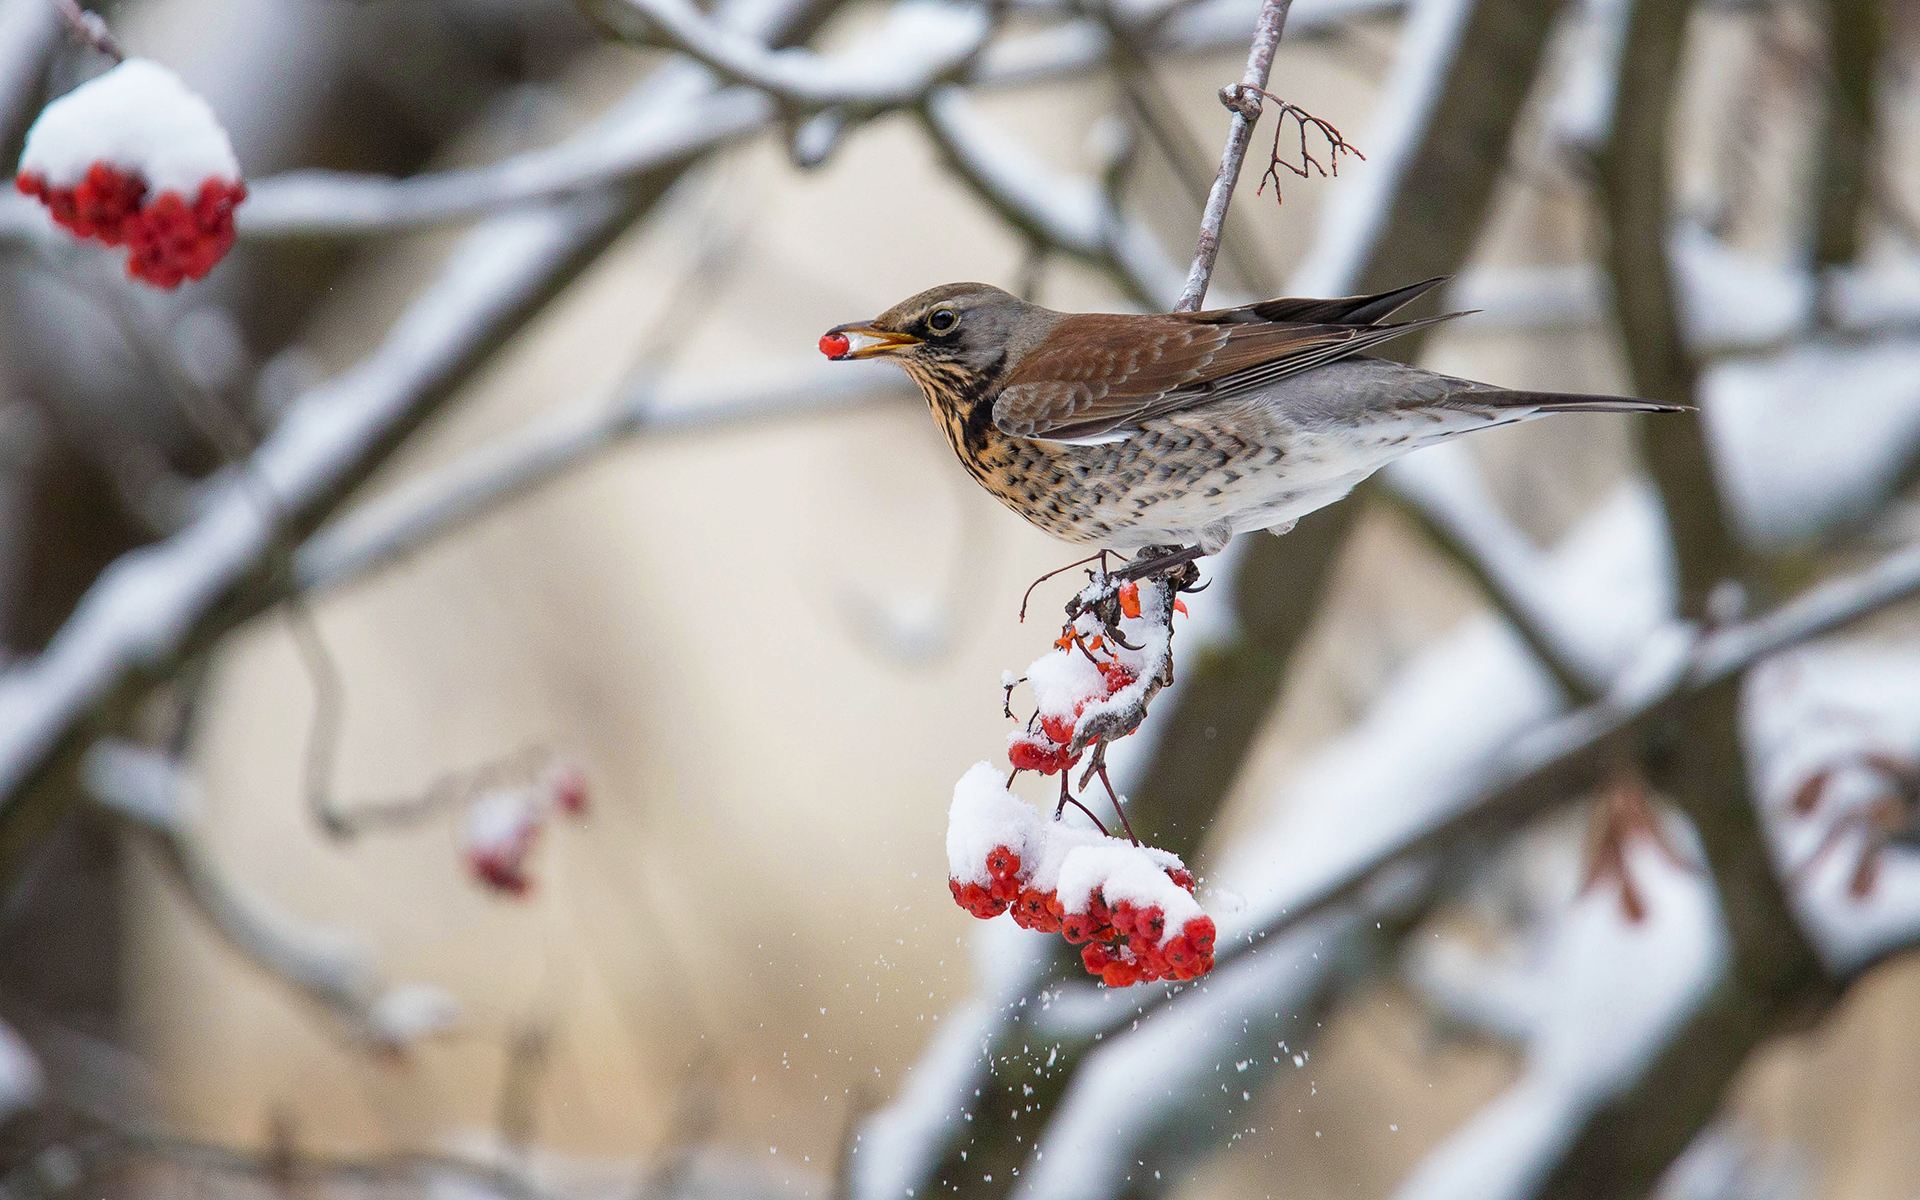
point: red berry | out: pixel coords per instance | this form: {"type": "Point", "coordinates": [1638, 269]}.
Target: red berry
{"type": "Point", "coordinates": [1058, 727]}
{"type": "Point", "coordinates": [834, 345]}
{"type": "Point", "coordinates": [169, 240]}
{"type": "Point", "coordinates": [1040, 754]}
{"type": "Point", "coordinates": [502, 873]}
{"type": "Point", "coordinates": [1200, 932]}
{"type": "Point", "coordinates": [1078, 927]}
{"type": "Point", "coordinates": [1182, 878]}
{"type": "Point", "coordinates": [1130, 598]}
{"type": "Point", "coordinates": [1002, 862]}
{"type": "Point", "coordinates": [1037, 910]}
{"type": "Point", "coordinates": [976, 899]}
{"type": "Point", "coordinates": [1150, 923]}
{"type": "Point", "coordinates": [569, 786]}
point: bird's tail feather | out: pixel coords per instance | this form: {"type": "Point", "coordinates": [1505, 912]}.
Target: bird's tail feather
{"type": "Point", "coordinates": [1576, 402]}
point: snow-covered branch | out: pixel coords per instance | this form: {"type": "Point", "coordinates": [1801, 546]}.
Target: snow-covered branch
{"type": "Point", "coordinates": [1074, 216]}
{"type": "Point", "coordinates": [159, 604]}
{"type": "Point", "coordinates": [916, 46]}
{"type": "Point", "coordinates": [671, 120]}
{"type": "Point", "coordinates": [1551, 763]}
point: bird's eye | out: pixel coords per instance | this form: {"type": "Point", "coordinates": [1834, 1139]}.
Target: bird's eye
{"type": "Point", "coordinates": [942, 319]}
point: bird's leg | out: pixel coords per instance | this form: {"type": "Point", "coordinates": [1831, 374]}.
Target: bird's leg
{"type": "Point", "coordinates": [1149, 564]}
{"type": "Point", "coordinates": [1099, 556]}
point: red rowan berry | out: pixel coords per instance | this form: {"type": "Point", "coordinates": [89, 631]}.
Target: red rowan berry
{"type": "Point", "coordinates": [1002, 862]}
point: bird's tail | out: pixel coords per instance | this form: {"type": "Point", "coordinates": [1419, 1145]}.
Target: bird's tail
{"type": "Point", "coordinates": [1576, 402]}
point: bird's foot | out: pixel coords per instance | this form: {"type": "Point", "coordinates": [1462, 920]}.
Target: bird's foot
{"type": "Point", "coordinates": [1173, 565]}
{"type": "Point", "coordinates": [1099, 556]}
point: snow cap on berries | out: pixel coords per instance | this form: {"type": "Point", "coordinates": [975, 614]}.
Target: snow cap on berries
{"type": "Point", "coordinates": [134, 159]}
{"type": "Point", "coordinates": [138, 117]}
{"type": "Point", "coordinates": [502, 827]}
{"type": "Point", "coordinates": [1063, 680]}
{"type": "Point", "coordinates": [1117, 872]}
{"type": "Point", "coordinates": [984, 817]}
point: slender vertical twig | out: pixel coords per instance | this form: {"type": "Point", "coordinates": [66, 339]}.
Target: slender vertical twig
{"type": "Point", "coordinates": [1244, 101]}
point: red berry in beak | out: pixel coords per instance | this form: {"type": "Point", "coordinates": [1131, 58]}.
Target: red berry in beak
{"type": "Point", "coordinates": [833, 345]}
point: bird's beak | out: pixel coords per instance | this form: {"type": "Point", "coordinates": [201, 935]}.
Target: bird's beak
{"type": "Point", "coordinates": [864, 341]}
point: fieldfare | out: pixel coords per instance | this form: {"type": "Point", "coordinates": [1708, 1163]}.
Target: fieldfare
{"type": "Point", "coordinates": [1185, 429]}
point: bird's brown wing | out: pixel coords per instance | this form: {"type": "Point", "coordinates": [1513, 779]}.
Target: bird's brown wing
{"type": "Point", "coordinates": [1100, 375]}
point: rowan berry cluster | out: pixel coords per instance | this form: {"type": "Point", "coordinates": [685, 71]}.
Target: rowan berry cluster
{"type": "Point", "coordinates": [504, 826]}
{"type": "Point", "coordinates": [1085, 672]}
{"type": "Point", "coordinates": [1130, 907]}
{"type": "Point", "coordinates": [132, 158]}
{"type": "Point", "coordinates": [168, 239]}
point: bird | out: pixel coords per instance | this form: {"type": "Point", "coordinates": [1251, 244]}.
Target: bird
{"type": "Point", "coordinates": [1172, 433]}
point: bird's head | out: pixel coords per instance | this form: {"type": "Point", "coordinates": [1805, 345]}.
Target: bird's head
{"type": "Point", "coordinates": [965, 330]}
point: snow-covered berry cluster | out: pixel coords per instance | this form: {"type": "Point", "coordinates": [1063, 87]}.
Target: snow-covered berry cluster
{"type": "Point", "coordinates": [504, 825]}
{"type": "Point", "coordinates": [1087, 686]}
{"type": "Point", "coordinates": [1130, 907]}
{"type": "Point", "coordinates": [132, 158]}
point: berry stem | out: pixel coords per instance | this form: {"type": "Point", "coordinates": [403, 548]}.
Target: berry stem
{"type": "Point", "coordinates": [1100, 769]}
{"type": "Point", "coordinates": [1067, 798]}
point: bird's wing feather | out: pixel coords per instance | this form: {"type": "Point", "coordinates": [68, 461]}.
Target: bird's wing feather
{"type": "Point", "coordinates": [1347, 310]}
{"type": "Point", "coordinates": [1101, 374]}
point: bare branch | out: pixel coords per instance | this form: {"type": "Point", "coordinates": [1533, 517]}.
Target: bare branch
{"type": "Point", "coordinates": [1244, 102]}
{"type": "Point", "coordinates": [1842, 175]}
{"type": "Point", "coordinates": [1310, 163]}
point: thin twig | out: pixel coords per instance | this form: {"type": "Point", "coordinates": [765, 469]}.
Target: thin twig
{"type": "Point", "coordinates": [89, 29]}
{"type": "Point", "coordinates": [1244, 101]}
{"type": "Point", "coordinates": [1337, 144]}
